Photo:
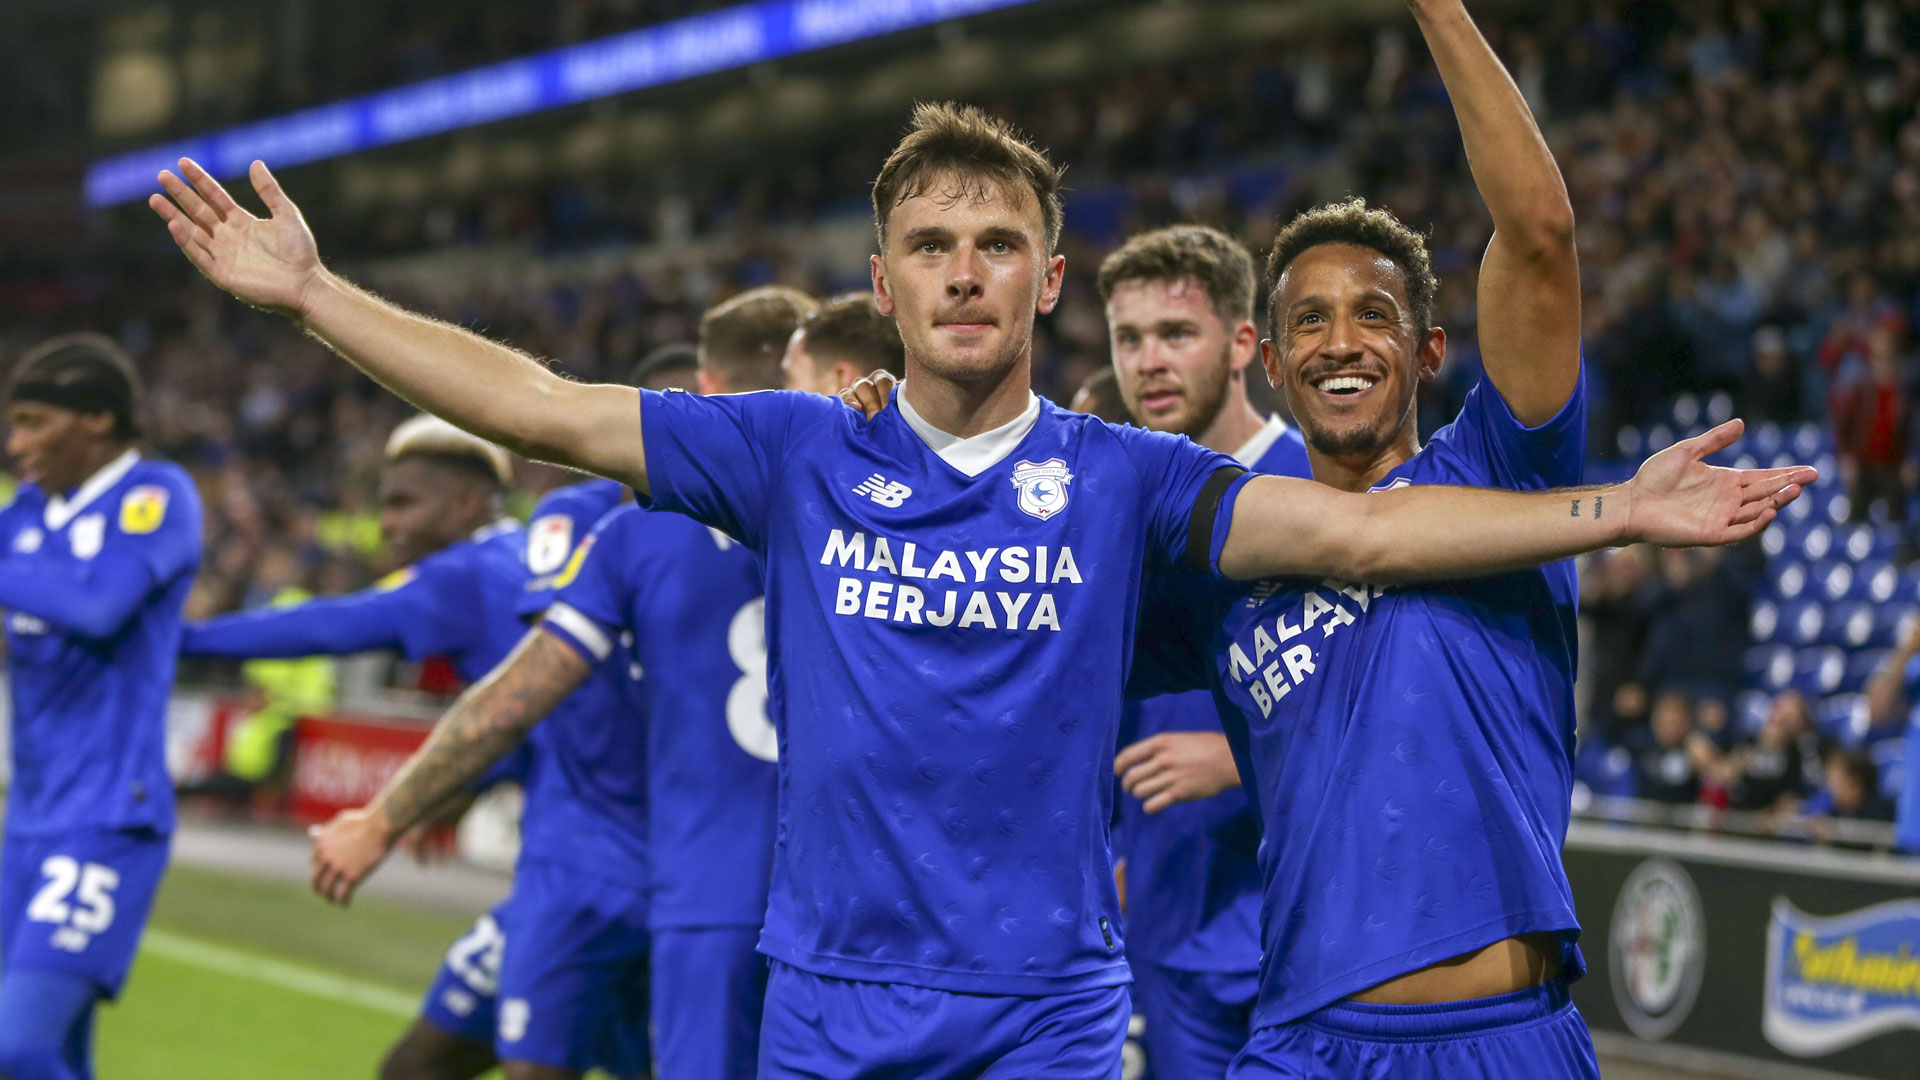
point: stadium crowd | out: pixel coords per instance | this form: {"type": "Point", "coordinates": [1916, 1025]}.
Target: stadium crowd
{"type": "Point", "coordinates": [1747, 183]}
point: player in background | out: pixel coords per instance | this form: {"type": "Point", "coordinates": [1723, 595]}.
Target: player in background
{"type": "Point", "coordinates": [686, 602]}
{"type": "Point", "coordinates": [588, 896]}
{"type": "Point", "coordinates": [1411, 749]}
{"type": "Point", "coordinates": [909, 929]}
{"type": "Point", "coordinates": [1099, 395]}
{"type": "Point", "coordinates": [100, 547]}
{"type": "Point", "coordinates": [668, 367]}
{"type": "Point", "coordinates": [844, 340]}
{"type": "Point", "coordinates": [1179, 305]}
{"type": "Point", "coordinates": [442, 497]}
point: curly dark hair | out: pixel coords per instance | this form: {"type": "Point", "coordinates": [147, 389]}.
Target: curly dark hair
{"type": "Point", "coordinates": [1352, 221]}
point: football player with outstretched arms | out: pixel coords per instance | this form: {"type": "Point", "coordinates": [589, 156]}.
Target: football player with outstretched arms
{"type": "Point", "coordinates": [974, 528]}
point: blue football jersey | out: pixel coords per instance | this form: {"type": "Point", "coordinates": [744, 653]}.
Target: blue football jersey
{"type": "Point", "coordinates": [692, 601]}
{"type": "Point", "coordinates": [460, 602]}
{"type": "Point", "coordinates": [586, 806]}
{"type": "Point", "coordinates": [947, 652]}
{"type": "Point", "coordinates": [1410, 749]}
{"type": "Point", "coordinates": [1193, 874]}
{"type": "Point", "coordinates": [89, 704]}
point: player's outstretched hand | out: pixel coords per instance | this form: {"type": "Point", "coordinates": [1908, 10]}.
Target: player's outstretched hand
{"type": "Point", "coordinates": [346, 850]}
{"type": "Point", "coordinates": [1176, 767]}
{"type": "Point", "coordinates": [1678, 500]}
{"type": "Point", "coordinates": [268, 262]}
{"type": "Point", "coordinates": [871, 394]}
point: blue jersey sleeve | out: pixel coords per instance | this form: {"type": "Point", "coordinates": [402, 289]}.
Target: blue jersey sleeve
{"type": "Point", "coordinates": [716, 459]}
{"type": "Point", "coordinates": [1176, 477]}
{"type": "Point", "coordinates": [560, 524]}
{"type": "Point", "coordinates": [589, 608]}
{"type": "Point", "coordinates": [412, 611]}
{"type": "Point", "coordinates": [1512, 455]}
{"type": "Point", "coordinates": [153, 541]}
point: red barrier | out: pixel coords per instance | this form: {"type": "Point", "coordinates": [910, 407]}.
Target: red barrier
{"type": "Point", "coordinates": [341, 761]}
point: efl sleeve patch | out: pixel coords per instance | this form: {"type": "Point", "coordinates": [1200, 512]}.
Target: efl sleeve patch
{"type": "Point", "coordinates": [143, 510]}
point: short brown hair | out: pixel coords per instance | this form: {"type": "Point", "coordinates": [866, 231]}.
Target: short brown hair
{"type": "Point", "coordinates": [1205, 256]}
{"type": "Point", "coordinates": [850, 327]}
{"type": "Point", "coordinates": [1352, 221]}
{"type": "Point", "coordinates": [987, 154]}
{"type": "Point", "coordinates": [743, 339]}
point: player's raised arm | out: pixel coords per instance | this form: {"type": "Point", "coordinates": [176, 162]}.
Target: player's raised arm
{"type": "Point", "coordinates": [485, 387]}
{"type": "Point", "coordinates": [484, 724]}
{"type": "Point", "coordinates": [1427, 532]}
{"type": "Point", "coordinates": [1529, 295]}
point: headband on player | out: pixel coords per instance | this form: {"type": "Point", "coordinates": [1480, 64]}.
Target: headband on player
{"type": "Point", "coordinates": [83, 395]}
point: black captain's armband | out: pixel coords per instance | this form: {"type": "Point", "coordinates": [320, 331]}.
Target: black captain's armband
{"type": "Point", "coordinates": [1200, 525]}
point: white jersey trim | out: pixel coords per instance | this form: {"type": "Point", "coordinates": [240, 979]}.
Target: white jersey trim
{"type": "Point", "coordinates": [1262, 441]}
{"type": "Point", "coordinates": [61, 510]}
{"type": "Point", "coordinates": [977, 453]}
{"type": "Point", "coordinates": [582, 629]}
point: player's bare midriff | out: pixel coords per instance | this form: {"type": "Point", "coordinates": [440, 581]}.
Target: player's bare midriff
{"type": "Point", "coordinates": [1501, 968]}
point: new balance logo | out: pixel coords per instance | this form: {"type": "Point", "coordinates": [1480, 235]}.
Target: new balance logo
{"type": "Point", "coordinates": [886, 492]}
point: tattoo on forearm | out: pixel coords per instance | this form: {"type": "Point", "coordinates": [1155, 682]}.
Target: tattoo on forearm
{"type": "Point", "coordinates": [1576, 508]}
{"type": "Point", "coordinates": [1597, 501]}
{"type": "Point", "coordinates": [488, 720]}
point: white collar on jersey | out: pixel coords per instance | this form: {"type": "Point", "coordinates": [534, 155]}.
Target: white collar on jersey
{"type": "Point", "coordinates": [489, 531]}
{"type": "Point", "coordinates": [61, 509]}
{"type": "Point", "coordinates": [1261, 442]}
{"type": "Point", "coordinates": [974, 454]}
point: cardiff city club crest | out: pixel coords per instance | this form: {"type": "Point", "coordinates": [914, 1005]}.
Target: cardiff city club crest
{"type": "Point", "coordinates": [1042, 487]}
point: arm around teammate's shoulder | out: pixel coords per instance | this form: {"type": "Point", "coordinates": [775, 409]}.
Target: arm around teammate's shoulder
{"type": "Point", "coordinates": [1281, 525]}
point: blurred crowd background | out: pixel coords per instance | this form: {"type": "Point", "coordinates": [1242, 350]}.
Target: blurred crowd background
{"type": "Point", "coordinates": [1746, 177]}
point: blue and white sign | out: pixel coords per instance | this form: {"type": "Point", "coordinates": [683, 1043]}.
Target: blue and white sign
{"type": "Point", "coordinates": [1834, 982]}
{"type": "Point", "coordinates": [651, 56]}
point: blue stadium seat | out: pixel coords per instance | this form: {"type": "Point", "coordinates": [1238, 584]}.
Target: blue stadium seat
{"type": "Point", "coordinates": [1861, 666]}
{"type": "Point", "coordinates": [1890, 757]}
{"type": "Point", "coordinates": [1819, 671]}
{"type": "Point", "coordinates": [1769, 667]}
{"type": "Point", "coordinates": [1816, 541]}
{"type": "Point", "coordinates": [1659, 437]}
{"type": "Point", "coordinates": [1763, 622]}
{"type": "Point", "coordinates": [1833, 578]}
{"type": "Point", "coordinates": [1909, 590]}
{"type": "Point", "coordinates": [1888, 619]}
{"type": "Point", "coordinates": [1773, 542]}
{"type": "Point", "coordinates": [1836, 508]}
{"type": "Point", "coordinates": [1877, 580]}
{"type": "Point", "coordinates": [1766, 440]}
{"type": "Point", "coordinates": [1790, 580]}
{"type": "Point", "coordinates": [1808, 439]}
{"type": "Point", "coordinates": [1863, 542]}
{"type": "Point", "coordinates": [1719, 409]}
{"type": "Point", "coordinates": [1750, 708]}
{"type": "Point", "coordinates": [1630, 441]}
{"type": "Point", "coordinates": [1802, 621]}
{"type": "Point", "coordinates": [1843, 717]}
{"type": "Point", "coordinates": [1850, 625]}
{"type": "Point", "coordinates": [1686, 410]}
